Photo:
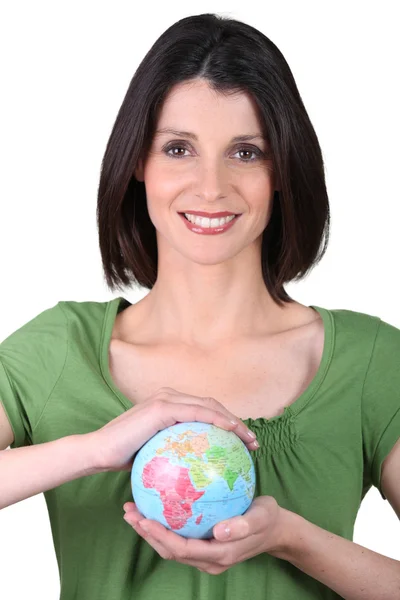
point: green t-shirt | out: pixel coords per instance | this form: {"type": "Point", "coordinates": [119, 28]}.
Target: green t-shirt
{"type": "Point", "coordinates": [318, 459]}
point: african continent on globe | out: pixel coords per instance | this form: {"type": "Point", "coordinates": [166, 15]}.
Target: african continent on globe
{"type": "Point", "coordinates": [191, 476]}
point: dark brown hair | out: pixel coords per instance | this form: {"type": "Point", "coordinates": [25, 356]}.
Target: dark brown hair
{"type": "Point", "coordinates": [232, 56]}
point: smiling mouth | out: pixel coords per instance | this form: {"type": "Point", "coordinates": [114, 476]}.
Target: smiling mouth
{"type": "Point", "coordinates": [206, 228]}
{"type": "Point", "coordinates": [209, 215]}
{"type": "Point", "coordinates": [230, 218]}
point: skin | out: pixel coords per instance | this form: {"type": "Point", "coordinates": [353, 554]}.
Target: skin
{"type": "Point", "coordinates": [210, 291]}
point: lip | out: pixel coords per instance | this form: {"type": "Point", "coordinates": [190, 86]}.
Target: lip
{"type": "Point", "coordinates": [208, 230]}
{"type": "Point", "coordinates": [216, 215]}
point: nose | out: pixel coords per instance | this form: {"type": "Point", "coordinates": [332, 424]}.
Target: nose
{"type": "Point", "coordinates": [211, 181]}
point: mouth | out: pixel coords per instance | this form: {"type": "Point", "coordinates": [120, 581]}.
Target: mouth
{"type": "Point", "coordinates": [207, 228]}
{"type": "Point", "coordinates": [216, 215]}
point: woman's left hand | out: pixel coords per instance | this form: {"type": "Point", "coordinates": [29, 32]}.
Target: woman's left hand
{"type": "Point", "coordinates": [261, 529]}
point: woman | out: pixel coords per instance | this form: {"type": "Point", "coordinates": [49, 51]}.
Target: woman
{"type": "Point", "coordinates": [212, 196]}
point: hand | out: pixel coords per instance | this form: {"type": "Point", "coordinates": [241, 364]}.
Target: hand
{"type": "Point", "coordinates": [262, 528]}
{"type": "Point", "coordinates": [113, 446]}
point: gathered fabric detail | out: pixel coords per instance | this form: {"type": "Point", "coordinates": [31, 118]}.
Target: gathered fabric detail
{"type": "Point", "coordinates": [274, 434]}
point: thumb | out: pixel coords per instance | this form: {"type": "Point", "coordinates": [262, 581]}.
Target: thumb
{"type": "Point", "coordinates": [260, 513]}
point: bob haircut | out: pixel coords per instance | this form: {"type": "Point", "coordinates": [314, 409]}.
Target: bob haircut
{"type": "Point", "coordinates": [233, 57]}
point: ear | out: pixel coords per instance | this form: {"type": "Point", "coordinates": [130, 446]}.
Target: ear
{"type": "Point", "coordinates": [139, 170]}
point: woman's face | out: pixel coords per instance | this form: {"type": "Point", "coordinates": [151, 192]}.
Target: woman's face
{"type": "Point", "coordinates": [207, 171]}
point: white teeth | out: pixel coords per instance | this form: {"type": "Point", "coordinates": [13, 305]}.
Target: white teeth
{"type": "Point", "coordinates": [205, 222]}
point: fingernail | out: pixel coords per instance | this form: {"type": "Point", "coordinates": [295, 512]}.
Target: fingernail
{"type": "Point", "coordinates": [256, 444]}
{"type": "Point", "coordinates": [251, 434]}
{"type": "Point", "coordinates": [225, 533]}
{"type": "Point", "coordinates": [234, 422]}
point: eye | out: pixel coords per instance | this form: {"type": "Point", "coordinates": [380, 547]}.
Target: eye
{"type": "Point", "coordinates": [255, 151]}
{"type": "Point", "coordinates": [169, 150]}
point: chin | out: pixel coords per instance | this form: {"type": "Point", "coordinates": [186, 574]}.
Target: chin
{"type": "Point", "coordinates": [210, 259]}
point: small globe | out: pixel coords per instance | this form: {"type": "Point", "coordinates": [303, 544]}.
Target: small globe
{"type": "Point", "coordinates": [190, 476]}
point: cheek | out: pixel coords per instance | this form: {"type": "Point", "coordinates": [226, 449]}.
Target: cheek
{"type": "Point", "coordinates": [257, 181]}
{"type": "Point", "coordinates": [260, 198]}
{"type": "Point", "coordinates": [259, 193]}
{"type": "Point", "coordinates": [165, 182]}
{"type": "Point", "coordinates": [161, 182]}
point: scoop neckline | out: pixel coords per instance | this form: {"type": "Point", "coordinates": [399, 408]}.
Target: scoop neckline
{"type": "Point", "coordinates": [291, 410]}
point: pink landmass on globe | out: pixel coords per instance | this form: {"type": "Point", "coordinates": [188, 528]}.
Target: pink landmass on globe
{"type": "Point", "coordinates": [175, 488]}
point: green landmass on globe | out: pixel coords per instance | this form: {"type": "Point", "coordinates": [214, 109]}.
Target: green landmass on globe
{"type": "Point", "coordinates": [191, 476]}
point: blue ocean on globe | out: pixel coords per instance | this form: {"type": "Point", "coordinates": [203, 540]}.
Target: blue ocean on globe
{"type": "Point", "coordinates": [191, 476]}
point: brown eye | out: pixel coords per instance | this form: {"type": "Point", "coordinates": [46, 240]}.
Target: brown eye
{"type": "Point", "coordinates": [249, 151]}
{"type": "Point", "coordinates": [252, 154]}
{"type": "Point", "coordinates": [174, 147]}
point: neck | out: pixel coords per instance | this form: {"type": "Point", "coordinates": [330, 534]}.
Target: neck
{"type": "Point", "coordinates": [206, 305]}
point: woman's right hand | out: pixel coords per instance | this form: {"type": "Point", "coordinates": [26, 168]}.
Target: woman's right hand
{"type": "Point", "coordinates": [115, 444]}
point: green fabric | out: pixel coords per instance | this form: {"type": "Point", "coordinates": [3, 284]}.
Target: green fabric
{"type": "Point", "coordinates": [318, 459]}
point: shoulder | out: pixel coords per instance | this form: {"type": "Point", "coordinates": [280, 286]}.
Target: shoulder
{"type": "Point", "coordinates": [87, 323]}
{"type": "Point", "coordinates": [361, 344]}
{"type": "Point", "coordinates": [48, 326]}
{"type": "Point", "coordinates": [352, 320]}
{"type": "Point", "coordinates": [34, 357]}
{"type": "Point", "coordinates": [362, 328]}
{"type": "Point", "coordinates": [351, 336]}
{"type": "Point", "coordinates": [42, 342]}
{"type": "Point", "coordinates": [85, 310]}
{"type": "Point", "coordinates": [31, 359]}
{"type": "Point", "coordinates": [365, 327]}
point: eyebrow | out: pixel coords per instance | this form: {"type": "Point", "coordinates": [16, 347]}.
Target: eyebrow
{"type": "Point", "coordinates": [193, 136]}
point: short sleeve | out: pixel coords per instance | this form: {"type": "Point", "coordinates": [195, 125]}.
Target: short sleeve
{"type": "Point", "coordinates": [31, 361]}
{"type": "Point", "coordinates": [381, 401]}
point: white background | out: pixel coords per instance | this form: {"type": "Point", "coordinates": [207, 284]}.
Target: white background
{"type": "Point", "coordinates": [65, 71]}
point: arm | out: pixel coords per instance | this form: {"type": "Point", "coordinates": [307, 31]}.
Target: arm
{"type": "Point", "coordinates": [30, 470]}
{"type": "Point", "coordinates": [27, 471]}
{"type": "Point", "coordinates": [349, 569]}
{"type": "Point", "coordinates": [352, 571]}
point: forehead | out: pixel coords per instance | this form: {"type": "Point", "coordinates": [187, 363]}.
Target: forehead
{"type": "Point", "coordinates": [193, 101]}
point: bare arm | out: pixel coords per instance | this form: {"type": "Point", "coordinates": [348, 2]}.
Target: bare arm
{"type": "Point", "coordinates": [27, 471]}
{"type": "Point", "coordinates": [354, 572]}
{"type": "Point", "coordinates": [351, 570]}
{"type": "Point", "coordinates": [30, 470]}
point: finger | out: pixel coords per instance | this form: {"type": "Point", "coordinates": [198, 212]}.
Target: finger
{"type": "Point", "coordinates": [250, 438]}
{"type": "Point", "coordinates": [207, 566]}
{"type": "Point", "coordinates": [213, 403]}
{"type": "Point", "coordinates": [197, 412]}
{"type": "Point", "coordinates": [157, 546]}
{"type": "Point", "coordinates": [232, 530]}
{"type": "Point", "coordinates": [167, 554]}
{"type": "Point", "coordinates": [207, 401]}
{"type": "Point", "coordinates": [160, 548]}
{"type": "Point", "coordinates": [183, 549]}
{"type": "Point", "coordinates": [132, 512]}
{"type": "Point", "coordinates": [254, 520]}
